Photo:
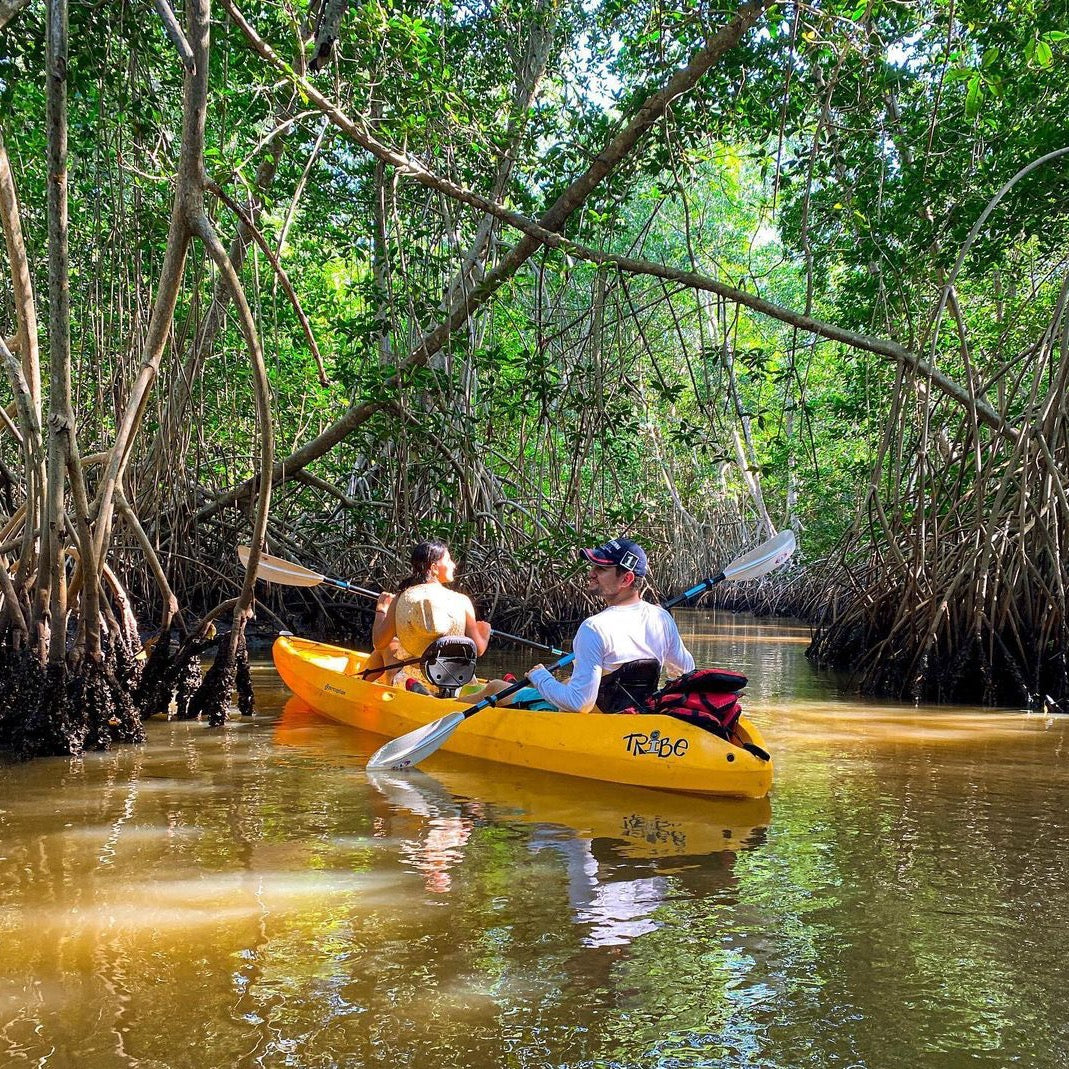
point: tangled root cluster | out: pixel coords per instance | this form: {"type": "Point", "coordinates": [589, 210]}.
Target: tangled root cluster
{"type": "Point", "coordinates": [54, 710]}
{"type": "Point", "coordinates": [66, 709]}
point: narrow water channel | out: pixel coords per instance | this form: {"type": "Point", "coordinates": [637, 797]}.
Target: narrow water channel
{"type": "Point", "coordinates": [249, 897]}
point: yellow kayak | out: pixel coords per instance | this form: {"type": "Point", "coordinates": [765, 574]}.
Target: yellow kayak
{"type": "Point", "coordinates": [643, 751]}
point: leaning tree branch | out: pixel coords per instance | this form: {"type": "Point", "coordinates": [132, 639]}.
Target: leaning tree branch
{"type": "Point", "coordinates": [262, 394]}
{"type": "Point", "coordinates": [188, 205]}
{"type": "Point", "coordinates": [21, 283]}
{"type": "Point", "coordinates": [170, 602]}
{"type": "Point", "coordinates": [9, 9]}
{"type": "Point", "coordinates": [534, 237]}
{"type": "Point", "coordinates": [174, 32]}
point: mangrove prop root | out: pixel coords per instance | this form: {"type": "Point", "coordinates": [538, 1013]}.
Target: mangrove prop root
{"type": "Point", "coordinates": [93, 697]}
{"type": "Point", "coordinates": [67, 708]}
{"type": "Point", "coordinates": [186, 686]}
{"type": "Point", "coordinates": [122, 671]}
{"type": "Point", "coordinates": [243, 679]}
{"type": "Point", "coordinates": [976, 667]}
{"type": "Point", "coordinates": [156, 685]}
{"type": "Point", "coordinates": [52, 724]}
{"type": "Point", "coordinates": [185, 676]}
{"type": "Point", "coordinates": [212, 699]}
{"type": "Point", "coordinates": [124, 664]}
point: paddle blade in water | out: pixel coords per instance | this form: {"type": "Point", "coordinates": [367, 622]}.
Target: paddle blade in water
{"type": "Point", "coordinates": [412, 748]}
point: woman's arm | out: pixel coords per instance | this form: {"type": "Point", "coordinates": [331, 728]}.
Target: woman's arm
{"type": "Point", "coordinates": [384, 627]}
{"type": "Point", "coordinates": [477, 630]}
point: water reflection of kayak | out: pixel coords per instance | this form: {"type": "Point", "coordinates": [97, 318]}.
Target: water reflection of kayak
{"type": "Point", "coordinates": [640, 822]}
{"type": "Point", "coordinates": [647, 751]}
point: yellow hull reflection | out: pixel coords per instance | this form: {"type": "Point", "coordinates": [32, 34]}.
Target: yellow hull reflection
{"type": "Point", "coordinates": [640, 823]}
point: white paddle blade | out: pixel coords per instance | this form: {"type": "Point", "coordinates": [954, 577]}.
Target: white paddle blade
{"type": "Point", "coordinates": [412, 748]}
{"type": "Point", "coordinates": [762, 560]}
{"type": "Point", "coordinates": [276, 570]}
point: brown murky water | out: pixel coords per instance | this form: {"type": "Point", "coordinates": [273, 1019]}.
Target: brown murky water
{"type": "Point", "coordinates": [249, 897]}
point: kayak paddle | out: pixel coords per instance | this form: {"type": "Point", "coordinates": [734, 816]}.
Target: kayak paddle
{"type": "Point", "coordinates": [276, 570]}
{"type": "Point", "coordinates": [410, 749]}
{"type": "Point", "coordinates": [760, 561]}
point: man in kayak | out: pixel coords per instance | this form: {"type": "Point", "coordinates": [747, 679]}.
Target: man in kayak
{"type": "Point", "coordinates": [620, 651]}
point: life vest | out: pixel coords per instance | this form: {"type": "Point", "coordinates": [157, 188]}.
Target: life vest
{"type": "Point", "coordinates": [707, 697]}
{"type": "Point", "coordinates": [425, 612]}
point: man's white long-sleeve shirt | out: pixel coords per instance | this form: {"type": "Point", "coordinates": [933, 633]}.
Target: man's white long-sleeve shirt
{"type": "Point", "coordinates": [611, 638]}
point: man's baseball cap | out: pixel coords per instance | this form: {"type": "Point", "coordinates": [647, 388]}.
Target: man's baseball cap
{"type": "Point", "coordinates": [621, 553]}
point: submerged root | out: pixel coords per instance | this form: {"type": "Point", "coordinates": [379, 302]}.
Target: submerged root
{"type": "Point", "coordinates": [186, 685]}
{"type": "Point", "coordinates": [60, 710]}
{"type": "Point", "coordinates": [95, 700]}
{"type": "Point", "coordinates": [24, 729]}
{"type": "Point", "coordinates": [122, 672]}
{"type": "Point", "coordinates": [51, 724]}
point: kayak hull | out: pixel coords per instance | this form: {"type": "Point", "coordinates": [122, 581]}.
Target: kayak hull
{"type": "Point", "coordinates": [643, 751]}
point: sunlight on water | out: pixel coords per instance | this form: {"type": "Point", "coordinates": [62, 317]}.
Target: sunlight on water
{"type": "Point", "coordinates": [252, 897]}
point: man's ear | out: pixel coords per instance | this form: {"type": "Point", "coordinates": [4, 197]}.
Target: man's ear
{"type": "Point", "coordinates": [629, 578]}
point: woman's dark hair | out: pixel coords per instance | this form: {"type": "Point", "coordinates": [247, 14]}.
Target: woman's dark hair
{"type": "Point", "coordinates": [425, 555]}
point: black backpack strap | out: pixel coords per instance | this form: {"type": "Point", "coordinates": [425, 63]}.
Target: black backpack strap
{"type": "Point", "coordinates": [630, 684]}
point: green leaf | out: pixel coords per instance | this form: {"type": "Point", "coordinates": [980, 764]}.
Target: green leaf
{"type": "Point", "coordinates": [1043, 54]}
{"type": "Point", "coordinates": [974, 97]}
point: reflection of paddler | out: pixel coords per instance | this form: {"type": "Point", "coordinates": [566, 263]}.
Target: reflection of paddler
{"type": "Point", "coordinates": [615, 886]}
{"type": "Point", "coordinates": [447, 825]}
{"type": "Point", "coordinates": [638, 822]}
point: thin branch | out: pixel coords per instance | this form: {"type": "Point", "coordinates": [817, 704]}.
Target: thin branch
{"type": "Point", "coordinates": [174, 32]}
{"type": "Point", "coordinates": [280, 272]}
{"type": "Point", "coordinates": [9, 9]}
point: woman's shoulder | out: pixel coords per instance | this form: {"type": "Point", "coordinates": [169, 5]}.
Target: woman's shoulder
{"type": "Point", "coordinates": [460, 599]}
{"type": "Point", "coordinates": [434, 592]}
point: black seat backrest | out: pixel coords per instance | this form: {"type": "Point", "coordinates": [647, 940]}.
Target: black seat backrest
{"type": "Point", "coordinates": [630, 684]}
{"type": "Point", "coordinates": [449, 663]}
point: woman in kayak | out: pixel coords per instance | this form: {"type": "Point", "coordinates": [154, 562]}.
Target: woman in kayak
{"type": "Point", "coordinates": [423, 609]}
